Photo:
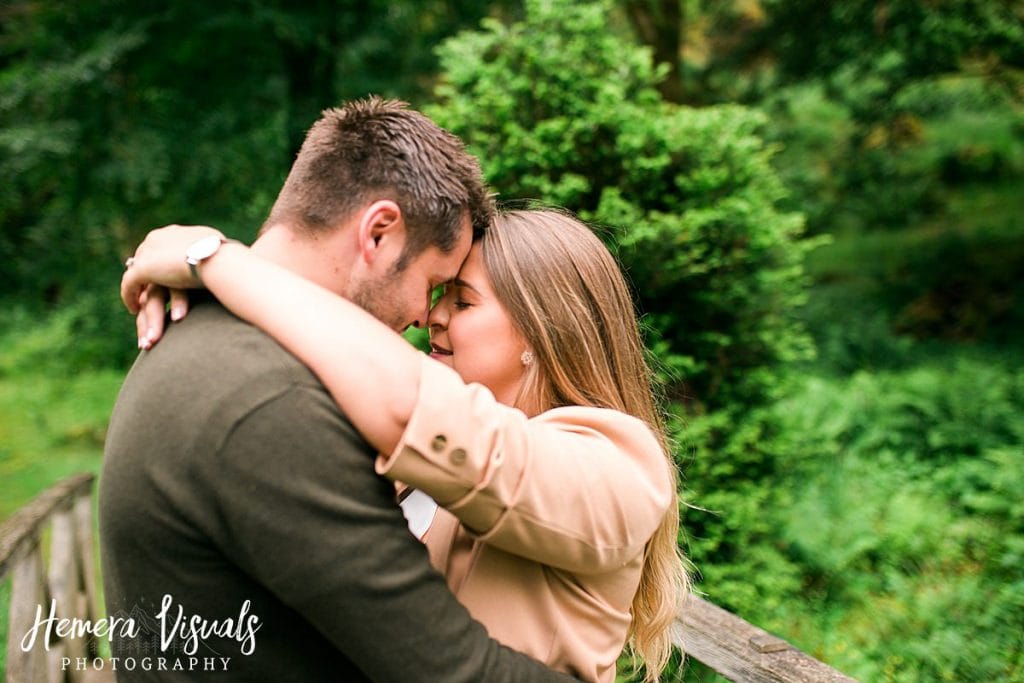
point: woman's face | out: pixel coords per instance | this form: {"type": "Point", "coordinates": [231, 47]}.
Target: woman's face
{"type": "Point", "coordinates": [473, 333]}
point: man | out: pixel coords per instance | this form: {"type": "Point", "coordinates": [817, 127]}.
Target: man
{"type": "Point", "coordinates": [245, 535]}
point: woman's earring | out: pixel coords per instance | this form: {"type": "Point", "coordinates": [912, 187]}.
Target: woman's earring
{"type": "Point", "coordinates": [526, 358]}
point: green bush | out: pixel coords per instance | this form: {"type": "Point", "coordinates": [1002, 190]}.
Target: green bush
{"type": "Point", "coordinates": [814, 134]}
{"type": "Point", "coordinates": [884, 108]}
{"type": "Point", "coordinates": [903, 517]}
{"type": "Point", "coordinates": [94, 331]}
{"type": "Point", "coordinates": [874, 520]}
{"type": "Point", "coordinates": [955, 279]}
{"type": "Point", "coordinates": [973, 127]}
{"type": "Point", "coordinates": [929, 135]}
{"type": "Point", "coordinates": [731, 486]}
{"type": "Point", "coordinates": [561, 109]}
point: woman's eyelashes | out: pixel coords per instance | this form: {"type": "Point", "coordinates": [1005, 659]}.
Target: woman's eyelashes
{"type": "Point", "coordinates": [455, 294]}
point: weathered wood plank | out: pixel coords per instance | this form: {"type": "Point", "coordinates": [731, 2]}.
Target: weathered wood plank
{"type": "Point", "coordinates": [28, 591]}
{"type": "Point", "coordinates": [18, 532]}
{"type": "Point", "coordinates": [743, 652]}
{"type": "Point", "coordinates": [726, 643]}
{"type": "Point", "coordinates": [87, 564]}
{"type": "Point", "coordinates": [65, 579]}
{"type": "Point", "coordinates": [54, 658]}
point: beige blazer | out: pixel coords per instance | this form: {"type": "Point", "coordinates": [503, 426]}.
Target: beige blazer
{"type": "Point", "coordinates": [548, 517]}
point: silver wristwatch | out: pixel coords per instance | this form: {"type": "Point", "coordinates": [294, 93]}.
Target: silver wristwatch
{"type": "Point", "coordinates": [202, 249]}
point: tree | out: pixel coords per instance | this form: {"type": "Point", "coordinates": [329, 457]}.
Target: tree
{"type": "Point", "coordinates": [659, 23]}
{"type": "Point", "coordinates": [116, 117]}
{"type": "Point", "coordinates": [561, 109]}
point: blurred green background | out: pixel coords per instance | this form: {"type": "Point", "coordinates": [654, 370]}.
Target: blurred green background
{"type": "Point", "coordinates": [819, 205]}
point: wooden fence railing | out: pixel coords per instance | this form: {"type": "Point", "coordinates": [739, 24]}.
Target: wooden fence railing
{"type": "Point", "coordinates": [726, 643]}
{"type": "Point", "coordinates": [741, 651]}
{"type": "Point", "coordinates": [67, 581]}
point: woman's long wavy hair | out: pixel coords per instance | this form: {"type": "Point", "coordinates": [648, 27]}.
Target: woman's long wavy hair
{"type": "Point", "coordinates": [568, 298]}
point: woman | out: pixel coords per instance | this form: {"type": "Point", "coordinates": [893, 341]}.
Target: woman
{"type": "Point", "coordinates": [564, 542]}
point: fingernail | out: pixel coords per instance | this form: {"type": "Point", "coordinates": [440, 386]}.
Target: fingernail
{"type": "Point", "coordinates": [141, 342]}
{"type": "Point", "coordinates": [176, 313]}
{"type": "Point", "coordinates": [145, 344]}
{"type": "Point", "coordinates": [150, 334]}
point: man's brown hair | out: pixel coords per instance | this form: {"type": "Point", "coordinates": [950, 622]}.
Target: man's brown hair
{"type": "Point", "coordinates": [377, 148]}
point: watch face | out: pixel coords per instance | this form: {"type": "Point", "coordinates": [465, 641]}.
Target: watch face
{"type": "Point", "coordinates": [203, 248]}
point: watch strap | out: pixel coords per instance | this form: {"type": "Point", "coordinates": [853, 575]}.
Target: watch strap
{"type": "Point", "coordinates": [193, 263]}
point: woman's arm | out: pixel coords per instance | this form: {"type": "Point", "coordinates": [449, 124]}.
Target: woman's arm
{"type": "Point", "coordinates": [580, 489]}
{"type": "Point", "coordinates": [577, 488]}
{"type": "Point", "coordinates": [372, 373]}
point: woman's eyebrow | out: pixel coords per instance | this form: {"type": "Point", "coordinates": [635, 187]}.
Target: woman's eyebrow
{"type": "Point", "coordinates": [459, 282]}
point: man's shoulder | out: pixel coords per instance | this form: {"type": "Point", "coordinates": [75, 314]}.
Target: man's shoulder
{"type": "Point", "coordinates": [212, 340]}
{"type": "Point", "coordinates": [214, 369]}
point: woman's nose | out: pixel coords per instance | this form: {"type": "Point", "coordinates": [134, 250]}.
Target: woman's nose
{"type": "Point", "coordinates": [438, 316]}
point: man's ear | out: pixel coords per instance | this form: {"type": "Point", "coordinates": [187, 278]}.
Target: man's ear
{"type": "Point", "coordinates": [380, 222]}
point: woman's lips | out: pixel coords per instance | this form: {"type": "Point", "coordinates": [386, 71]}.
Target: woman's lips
{"type": "Point", "coordinates": [439, 351]}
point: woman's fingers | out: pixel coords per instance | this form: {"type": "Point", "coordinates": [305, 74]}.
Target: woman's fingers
{"type": "Point", "coordinates": [133, 290]}
{"type": "Point", "coordinates": [179, 304]}
{"type": "Point", "coordinates": [160, 259]}
{"type": "Point", "coordinates": [159, 264]}
{"type": "Point", "coordinates": [149, 323]}
{"type": "Point", "coordinates": [150, 320]}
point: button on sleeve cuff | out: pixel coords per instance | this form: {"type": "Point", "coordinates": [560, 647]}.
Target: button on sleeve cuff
{"type": "Point", "coordinates": [452, 448]}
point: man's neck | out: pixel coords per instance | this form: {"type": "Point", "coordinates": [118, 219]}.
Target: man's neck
{"type": "Point", "coordinates": [323, 259]}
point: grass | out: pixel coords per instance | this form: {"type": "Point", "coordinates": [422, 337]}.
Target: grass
{"type": "Point", "coordinates": [51, 426]}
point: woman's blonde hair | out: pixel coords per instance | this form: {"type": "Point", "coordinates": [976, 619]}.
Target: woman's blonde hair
{"type": "Point", "coordinates": [568, 298]}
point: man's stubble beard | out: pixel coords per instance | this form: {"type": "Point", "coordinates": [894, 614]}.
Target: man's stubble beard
{"type": "Point", "coordinates": [379, 297]}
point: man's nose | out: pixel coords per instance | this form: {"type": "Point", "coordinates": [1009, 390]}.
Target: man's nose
{"type": "Point", "coordinates": [423, 319]}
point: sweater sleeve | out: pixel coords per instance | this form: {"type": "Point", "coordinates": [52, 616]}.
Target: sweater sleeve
{"type": "Point", "coordinates": [580, 489]}
{"type": "Point", "coordinates": [304, 514]}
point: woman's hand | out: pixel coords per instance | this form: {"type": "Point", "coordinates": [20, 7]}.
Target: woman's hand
{"type": "Point", "coordinates": [158, 267]}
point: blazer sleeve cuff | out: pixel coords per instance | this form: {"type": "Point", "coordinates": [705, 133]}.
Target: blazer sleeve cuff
{"type": "Point", "coordinates": [452, 449]}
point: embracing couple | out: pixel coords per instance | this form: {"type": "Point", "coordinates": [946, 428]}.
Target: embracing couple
{"type": "Point", "coordinates": [259, 446]}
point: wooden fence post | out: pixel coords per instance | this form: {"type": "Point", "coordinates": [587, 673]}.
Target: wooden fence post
{"type": "Point", "coordinates": [69, 581]}
{"type": "Point", "coordinates": [28, 595]}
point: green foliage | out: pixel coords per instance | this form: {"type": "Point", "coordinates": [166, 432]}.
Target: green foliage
{"type": "Point", "coordinates": [973, 126]}
{"type": "Point", "coordinates": [882, 106]}
{"type": "Point", "coordinates": [905, 521]}
{"type": "Point", "coordinates": [814, 133]}
{"type": "Point", "coordinates": [916, 38]}
{"type": "Point", "coordinates": [898, 166]}
{"type": "Point", "coordinates": [51, 426]}
{"type": "Point", "coordinates": [94, 330]}
{"type": "Point", "coordinates": [868, 509]}
{"type": "Point", "coordinates": [875, 521]}
{"type": "Point", "coordinates": [117, 117]}
{"type": "Point", "coordinates": [955, 279]}
{"type": "Point", "coordinates": [561, 109]}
